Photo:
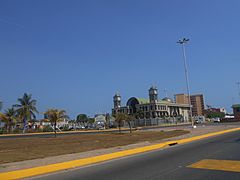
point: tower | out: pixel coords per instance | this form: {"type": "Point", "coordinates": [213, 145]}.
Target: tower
{"type": "Point", "coordinates": [153, 95]}
{"type": "Point", "coordinates": [117, 101]}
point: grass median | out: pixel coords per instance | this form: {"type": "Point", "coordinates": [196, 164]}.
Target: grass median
{"type": "Point", "coordinates": [19, 149]}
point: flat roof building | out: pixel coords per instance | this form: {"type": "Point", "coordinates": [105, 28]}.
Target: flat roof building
{"type": "Point", "coordinates": [197, 102]}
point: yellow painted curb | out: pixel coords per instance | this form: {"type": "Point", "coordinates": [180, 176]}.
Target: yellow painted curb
{"type": "Point", "coordinates": [76, 163]}
{"type": "Point", "coordinates": [206, 135]}
{"type": "Point", "coordinates": [18, 174]}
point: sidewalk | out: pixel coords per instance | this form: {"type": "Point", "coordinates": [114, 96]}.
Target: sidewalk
{"type": "Point", "coordinates": [201, 129]}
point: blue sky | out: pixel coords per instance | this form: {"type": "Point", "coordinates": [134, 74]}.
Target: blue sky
{"type": "Point", "coordinates": [75, 54]}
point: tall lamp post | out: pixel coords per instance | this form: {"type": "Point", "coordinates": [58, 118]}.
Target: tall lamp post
{"type": "Point", "coordinates": [238, 84]}
{"type": "Point", "coordinates": [182, 43]}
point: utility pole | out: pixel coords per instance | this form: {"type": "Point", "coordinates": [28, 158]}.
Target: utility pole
{"type": "Point", "coordinates": [182, 43]}
{"type": "Point", "coordinates": [238, 84]}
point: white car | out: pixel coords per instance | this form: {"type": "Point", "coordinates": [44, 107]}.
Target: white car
{"type": "Point", "coordinates": [216, 120]}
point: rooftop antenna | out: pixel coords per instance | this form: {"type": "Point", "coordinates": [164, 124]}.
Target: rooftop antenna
{"type": "Point", "coordinates": [165, 92]}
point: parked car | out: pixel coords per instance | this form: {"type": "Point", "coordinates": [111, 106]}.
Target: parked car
{"type": "Point", "coordinates": [216, 120]}
{"type": "Point", "coordinates": [80, 127]}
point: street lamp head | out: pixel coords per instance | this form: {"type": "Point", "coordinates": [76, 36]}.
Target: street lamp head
{"type": "Point", "coordinates": [179, 42]}
{"type": "Point", "coordinates": [183, 41]}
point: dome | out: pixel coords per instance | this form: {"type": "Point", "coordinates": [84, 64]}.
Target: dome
{"type": "Point", "coordinates": [167, 99]}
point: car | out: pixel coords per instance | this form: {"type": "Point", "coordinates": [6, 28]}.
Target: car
{"type": "Point", "coordinates": [216, 120]}
{"type": "Point", "coordinates": [80, 127]}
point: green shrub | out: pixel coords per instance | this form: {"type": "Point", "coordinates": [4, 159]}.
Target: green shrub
{"type": "Point", "coordinates": [65, 128]}
{"type": "Point", "coordinates": [47, 128]}
{"type": "Point", "coordinates": [17, 131]}
{"type": "Point", "coordinates": [3, 131]}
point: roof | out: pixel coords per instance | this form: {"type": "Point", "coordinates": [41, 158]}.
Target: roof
{"type": "Point", "coordinates": [167, 99]}
{"type": "Point", "coordinates": [142, 100]}
{"type": "Point", "coordinates": [236, 106]}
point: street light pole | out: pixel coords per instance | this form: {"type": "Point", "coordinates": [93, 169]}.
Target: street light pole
{"type": "Point", "coordinates": [238, 84]}
{"type": "Point", "coordinates": [182, 43]}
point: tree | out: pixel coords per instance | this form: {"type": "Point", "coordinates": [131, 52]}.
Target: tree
{"type": "Point", "coordinates": [129, 119]}
{"type": "Point", "coordinates": [107, 118]}
{"type": "Point", "coordinates": [9, 118]}
{"type": "Point", "coordinates": [215, 115]}
{"type": "Point", "coordinates": [54, 116]}
{"type": "Point", "coordinates": [119, 118]}
{"type": "Point", "coordinates": [82, 118]}
{"type": "Point", "coordinates": [26, 109]}
{"type": "Point", "coordinates": [1, 104]}
{"type": "Point", "coordinates": [91, 120]}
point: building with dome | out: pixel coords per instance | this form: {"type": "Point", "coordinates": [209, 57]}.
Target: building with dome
{"type": "Point", "coordinates": [151, 108]}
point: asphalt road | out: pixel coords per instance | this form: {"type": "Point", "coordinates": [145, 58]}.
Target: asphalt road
{"type": "Point", "coordinates": [170, 163]}
{"type": "Point", "coordinates": [105, 132]}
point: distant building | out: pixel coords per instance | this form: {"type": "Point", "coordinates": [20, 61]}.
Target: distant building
{"type": "Point", "coordinates": [236, 111]}
{"type": "Point", "coordinates": [215, 112]}
{"type": "Point", "coordinates": [197, 102]}
{"type": "Point", "coordinates": [152, 107]}
{"type": "Point", "coordinates": [181, 98]}
{"type": "Point", "coordinates": [218, 110]}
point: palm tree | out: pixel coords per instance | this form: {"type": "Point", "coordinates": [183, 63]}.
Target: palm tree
{"type": "Point", "coordinates": [26, 109]}
{"type": "Point", "coordinates": [129, 119]}
{"type": "Point", "coordinates": [9, 118]}
{"type": "Point", "coordinates": [120, 117]}
{"type": "Point", "coordinates": [54, 116]}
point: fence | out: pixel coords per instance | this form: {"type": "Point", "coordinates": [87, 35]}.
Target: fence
{"type": "Point", "coordinates": [156, 121]}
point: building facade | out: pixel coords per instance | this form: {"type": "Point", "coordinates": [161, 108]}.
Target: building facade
{"type": "Point", "coordinates": [197, 102]}
{"type": "Point", "coordinates": [151, 107]}
{"type": "Point", "coordinates": [236, 111]}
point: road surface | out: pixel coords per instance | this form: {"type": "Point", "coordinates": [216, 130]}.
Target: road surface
{"type": "Point", "coordinates": [170, 163]}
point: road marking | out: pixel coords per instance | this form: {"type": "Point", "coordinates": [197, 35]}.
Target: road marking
{"type": "Point", "coordinates": [222, 165]}
{"type": "Point", "coordinates": [19, 174]}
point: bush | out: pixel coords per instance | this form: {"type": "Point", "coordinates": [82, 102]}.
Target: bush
{"type": "Point", "coordinates": [65, 128]}
{"type": "Point", "coordinates": [47, 128]}
{"type": "Point", "coordinates": [17, 131]}
{"type": "Point", "coordinates": [31, 131]}
{"type": "Point", "coordinates": [3, 131]}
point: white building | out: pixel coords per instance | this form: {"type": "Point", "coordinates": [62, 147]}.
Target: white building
{"type": "Point", "coordinates": [151, 108]}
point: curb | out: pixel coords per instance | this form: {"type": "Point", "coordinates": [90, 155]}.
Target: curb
{"type": "Point", "coordinates": [18, 174]}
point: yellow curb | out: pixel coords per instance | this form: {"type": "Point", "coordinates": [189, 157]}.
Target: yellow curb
{"type": "Point", "coordinates": [92, 160]}
{"type": "Point", "coordinates": [206, 135]}
{"type": "Point", "coordinates": [76, 163]}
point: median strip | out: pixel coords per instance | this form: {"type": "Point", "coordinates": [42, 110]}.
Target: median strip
{"type": "Point", "coordinates": [97, 159]}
